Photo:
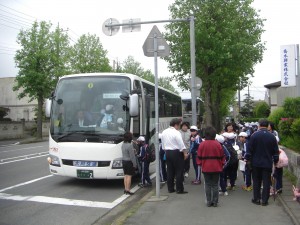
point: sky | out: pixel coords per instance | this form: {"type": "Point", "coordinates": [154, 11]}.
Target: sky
{"type": "Point", "coordinates": [87, 16]}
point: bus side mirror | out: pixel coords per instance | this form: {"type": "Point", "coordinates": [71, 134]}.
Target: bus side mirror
{"type": "Point", "coordinates": [48, 103]}
{"type": "Point", "coordinates": [134, 105]}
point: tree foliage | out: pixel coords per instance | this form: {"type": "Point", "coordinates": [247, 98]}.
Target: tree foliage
{"type": "Point", "coordinates": [228, 45]}
{"type": "Point", "coordinates": [131, 66]}
{"type": "Point", "coordinates": [287, 119]}
{"type": "Point", "coordinates": [261, 110]}
{"type": "Point", "coordinates": [41, 60]}
{"type": "Point", "coordinates": [88, 55]}
{"type": "Point", "coordinates": [247, 109]}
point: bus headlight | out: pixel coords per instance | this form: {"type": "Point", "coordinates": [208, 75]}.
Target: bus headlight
{"type": "Point", "coordinates": [53, 160]}
{"type": "Point", "coordinates": [117, 164]}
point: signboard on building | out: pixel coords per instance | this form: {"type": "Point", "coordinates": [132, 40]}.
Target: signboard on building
{"type": "Point", "coordinates": [288, 65]}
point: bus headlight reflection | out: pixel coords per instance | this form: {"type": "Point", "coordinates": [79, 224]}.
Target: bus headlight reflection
{"type": "Point", "coordinates": [53, 160]}
{"type": "Point", "coordinates": [117, 164]}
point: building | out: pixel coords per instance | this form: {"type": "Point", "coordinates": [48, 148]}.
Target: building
{"type": "Point", "coordinates": [277, 94]}
{"type": "Point", "coordinates": [20, 109]}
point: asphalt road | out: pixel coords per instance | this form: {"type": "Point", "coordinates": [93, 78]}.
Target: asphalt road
{"type": "Point", "coordinates": [29, 194]}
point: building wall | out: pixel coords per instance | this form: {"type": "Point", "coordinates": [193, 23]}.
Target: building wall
{"type": "Point", "coordinates": [284, 92]}
{"type": "Point", "coordinates": [273, 102]}
{"type": "Point", "coordinates": [20, 109]}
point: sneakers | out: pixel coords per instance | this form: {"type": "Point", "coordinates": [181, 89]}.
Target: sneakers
{"type": "Point", "coordinates": [245, 188]}
{"type": "Point", "coordinates": [196, 182]}
{"type": "Point", "coordinates": [186, 175]}
{"type": "Point", "coordinates": [231, 188]}
{"type": "Point", "coordinates": [223, 193]}
{"type": "Point", "coordinates": [144, 185]}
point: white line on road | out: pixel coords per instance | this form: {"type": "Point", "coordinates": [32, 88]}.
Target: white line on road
{"type": "Point", "coordinates": [1, 163]}
{"type": "Point", "coordinates": [22, 156]}
{"type": "Point", "coordinates": [19, 149]}
{"type": "Point", "coordinates": [25, 183]}
{"type": "Point", "coordinates": [63, 201]}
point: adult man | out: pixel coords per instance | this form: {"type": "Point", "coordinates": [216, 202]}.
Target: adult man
{"type": "Point", "coordinates": [176, 153]}
{"type": "Point", "coordinates": [82, 121]}
{"type": "Point", "coordinates": [263, 152]}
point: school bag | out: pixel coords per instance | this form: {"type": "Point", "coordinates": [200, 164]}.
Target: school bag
{"type": "Point", "coordinates": [149, 153]}
{"type": "Point", "coordinates": [233, 154]}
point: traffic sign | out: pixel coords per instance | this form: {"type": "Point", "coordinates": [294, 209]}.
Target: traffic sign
{"type": "Point", "coordinates": [163, 49]}
{"type": "Point", "coordinates": [110, 31]}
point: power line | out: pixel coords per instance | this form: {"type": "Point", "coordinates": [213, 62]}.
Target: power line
{"type": "Point", "coordinates": [17, 11]}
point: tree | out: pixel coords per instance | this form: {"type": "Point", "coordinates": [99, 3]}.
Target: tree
{"type": "Point", "coordinates": [261, 110]}
{"type": "Point", "coordinates": [247, 109]}
{"type": "Point", "coordinates": [165, 82]}
{"type": "Point", "coordinates": [228, 45]}
{"type": "Point", "coordinates": [134, 67]}
{"type": "Point", "coordinates": [88, 55]}
{"type": "Point", "coordinates": [40, 61]}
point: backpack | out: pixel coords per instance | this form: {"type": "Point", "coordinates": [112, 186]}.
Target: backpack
{"type": "Point", "coordinates": [233, 154]}
{"type": "Point", "coordinates": [150, 153]}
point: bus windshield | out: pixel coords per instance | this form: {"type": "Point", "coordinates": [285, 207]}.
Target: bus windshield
{"type": "Point", "coordinates": [90, 108]}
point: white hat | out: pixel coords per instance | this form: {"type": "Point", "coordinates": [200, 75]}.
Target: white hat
{"type": "Point", "coordinates": [220, 138]}
{"type": "Point", "coordinates": [159, 135]}
{"type": "Point", "coordinates": [229, 135]}
{"type": "Point", "coordinates": [120, 120]}
{"type": "Point", "coordinates": [243, 134]}
{"type": "Point", "coordinates": [194, 128]}
{"type": "Point", "coordinates": [141, 138]}
{"type": "Point", "coordinates": [109, 107]}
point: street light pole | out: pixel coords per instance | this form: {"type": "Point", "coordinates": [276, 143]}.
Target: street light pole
{"type": "Point", "coordinates": [193, 70]}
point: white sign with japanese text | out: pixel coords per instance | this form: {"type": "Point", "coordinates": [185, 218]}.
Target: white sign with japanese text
{"type": "Point", "coordinates": [288, 65]}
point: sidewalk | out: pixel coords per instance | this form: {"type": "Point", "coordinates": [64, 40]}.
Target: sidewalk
{"type": "Point", "coordinates": [190, 208]}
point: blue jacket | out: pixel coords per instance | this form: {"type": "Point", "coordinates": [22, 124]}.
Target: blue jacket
{"type": "Point", "coordinates": [262, 149]}
{"type": "Point", "coordinates": [195, 144]}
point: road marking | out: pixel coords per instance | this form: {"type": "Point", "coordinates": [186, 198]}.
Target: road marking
{"type": "Point", "coordinates": [16, 150]}
{"type": "Point", "coordinates": [64, 201]}
{"type": "Point", "coordinates": [61, 201]}
{"type": "Point", "coordinates": [22, 156]}
{"type": "Point", "coordinates": [1, 163]}
{"type": "Point", "coordinates": [25, 183]}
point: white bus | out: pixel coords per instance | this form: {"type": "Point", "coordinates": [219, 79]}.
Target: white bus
{"type": "Point", "coordinates": [110, 104]}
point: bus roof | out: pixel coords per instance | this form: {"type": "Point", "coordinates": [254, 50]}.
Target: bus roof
{"type": "Point", "coordinates": [132, 76]}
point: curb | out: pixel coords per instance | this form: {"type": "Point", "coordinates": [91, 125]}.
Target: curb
{"type": "Point", "coordinates": [119, 214]}
{"type": "Point", "coordinates": [288, 211]}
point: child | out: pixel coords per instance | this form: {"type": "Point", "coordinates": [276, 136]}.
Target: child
{"type": "Point", "coordinates": [195, 142]}
{"type": "Point", "coordinates": [145, 178]}
{"type": "Point", "coordinates": [223, 180]}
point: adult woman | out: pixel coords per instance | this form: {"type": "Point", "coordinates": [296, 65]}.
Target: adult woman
{"type": "Point", "coordinates": [129, 162]}
{"type": "Point", "coordinates": [211, 158]}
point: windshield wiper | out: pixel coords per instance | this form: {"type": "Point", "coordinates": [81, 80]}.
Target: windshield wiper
{"type": "Point", "coordinates": [68, 134]}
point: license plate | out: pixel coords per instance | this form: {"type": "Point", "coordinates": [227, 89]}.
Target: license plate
{"type": "Point", "coordinates": [85, 163]}
{"type": "Point", "coordinates": [86, 174]}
